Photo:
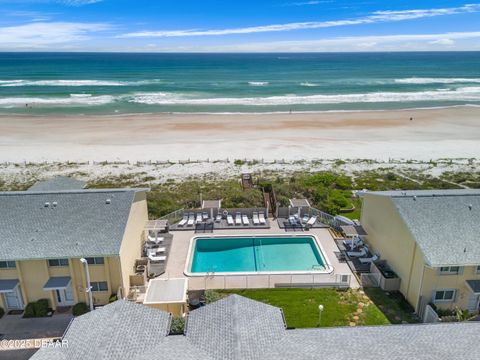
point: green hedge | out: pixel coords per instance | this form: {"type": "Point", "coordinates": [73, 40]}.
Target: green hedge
{"type": "Point", "coordinates": [37, 308]}
{"type": "Point", "coordinates": [80, 309]}
{"type": "Point", "coordinates": [178, 325]}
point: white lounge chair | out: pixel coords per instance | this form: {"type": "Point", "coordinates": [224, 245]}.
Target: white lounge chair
{"type": "Point", "coordinates": [199, 218]}
{"type": "Point", "coordinates": [245, 220]}
{"type": "Point", "coordinates": [238, 218]}
{"type": "Point", "coordinates": [155, 251]}
{"type": "Point", "coordinates": [191, 219]}
{"type": "Point", "coordinates": [353, 243]}
{"type": "Point", "coordinates": [218, 218]}
{"type": "Point", "coordinates": [255, 218]}
{"type": "Point", "coordinates": [156, 258]}
{"type": "Point", "coordinates": [204, 216]}
{"type": "Point", "coordinates": [369, 260]}
{"type": "Point", "coordinates": [293, 220]}
{"type": "Point", "coordinates": [183, 221]}
{"type": "Point", "coordinates": [261, 218]}
{"type": "Point", "coordinates": [230, 220]}
{"type": "Point", "coordinates": [363, 251]}
{"type": "Point", "coordinates": [305, 218]}
{"type": "Point", "coordinates": [155, 239]}
{"type": "Point", "coordinates": [312, 221]}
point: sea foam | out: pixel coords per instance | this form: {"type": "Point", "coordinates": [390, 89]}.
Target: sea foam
{"type": "Point", "coordinates": [13, 83]}
{"type": "Point", "coordinates": [420, 81]}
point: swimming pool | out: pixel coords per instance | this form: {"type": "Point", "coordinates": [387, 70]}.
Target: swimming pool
{"type": "Point", "coordinates": [255, 254]}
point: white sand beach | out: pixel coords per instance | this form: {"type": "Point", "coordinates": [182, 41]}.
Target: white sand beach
{"type": "Point", "coordinates": [431, 134]}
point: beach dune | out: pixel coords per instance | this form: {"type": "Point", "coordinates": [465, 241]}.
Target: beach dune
{"type": "Point", "coordinates": [409, 134]}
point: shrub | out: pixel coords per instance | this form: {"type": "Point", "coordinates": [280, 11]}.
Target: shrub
{"type": "Point", "coordinates": [177, 326]}
{"type": "Point", "coordinates": [113, 298]}
{"type": "Point", "coordinates": [2, 312]}
{"type": "Point", "coordinates": [211, 296]}
{"type": "Point", "coordinates": [29, 311]}
{"type": "Point", "coordinates": [37, 308]}
{"type": "Point", "coordinates": [41, 308]}
{"type": "Point", "coordinates": [79, 309]}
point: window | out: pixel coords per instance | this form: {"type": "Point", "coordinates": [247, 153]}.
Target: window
{"type": "Point", "coordinates": [99, 286]}
{"type": "Point", "coordinates": [444, 295]}
{"type": "Point", "coordinates": [7, 265]}
{"type": "Point", "coordinates": [58, 262]}
{"type": "Point", "coordinates": [478, 269]}
{"type": "Point", "coordinates": [95, 260]}
{"type": "Point", "coordinates": [450, 270]}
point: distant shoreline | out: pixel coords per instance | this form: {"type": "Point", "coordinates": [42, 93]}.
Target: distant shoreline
{"type": "Point", "coordinates": [452, 132]}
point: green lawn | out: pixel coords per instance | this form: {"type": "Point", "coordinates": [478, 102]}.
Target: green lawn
{"type": "Point", "coordinates": [300, 306]}
{"type": "Point", "coordinates": [396, 309]}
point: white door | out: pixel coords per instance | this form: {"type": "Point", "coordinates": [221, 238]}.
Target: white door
{"type": "Point", "coordinates": [13, 299]}
{"type": "Point", "coordinates": [64, 296]}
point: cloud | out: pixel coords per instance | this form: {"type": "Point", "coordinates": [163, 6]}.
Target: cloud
{"type": "Point", "coordinates": [375, 17]}
{"type": "Point", "coordinates": [77, 2]}
{"type": "Point", "coordinates": [446, 42]}
{"type": "Point", "coordinates": [306, 3]}
{"type": "Point", "coordinates": [44, 34]}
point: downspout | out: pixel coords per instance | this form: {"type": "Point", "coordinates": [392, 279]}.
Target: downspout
{"type": "Point", "coordinates": [411, 268]}
{"type": "Point", "coordinates": [420, 289]}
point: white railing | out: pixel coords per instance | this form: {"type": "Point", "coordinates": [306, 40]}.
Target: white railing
{"type": "Point", "coordinates": [213, 280]}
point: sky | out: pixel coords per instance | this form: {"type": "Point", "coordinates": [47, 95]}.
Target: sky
{"type": "Point", "coordinates": [239, 26]}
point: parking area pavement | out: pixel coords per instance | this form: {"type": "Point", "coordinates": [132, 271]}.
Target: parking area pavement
{"type": "Point", "coordinates": [13, 327]}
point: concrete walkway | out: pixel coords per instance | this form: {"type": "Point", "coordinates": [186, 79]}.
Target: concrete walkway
{"type": "Point", "coordinates": [14, 327]}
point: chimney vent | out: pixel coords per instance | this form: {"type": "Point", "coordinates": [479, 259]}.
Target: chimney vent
{"type": "Point", "coordinates": [108, 201]}
{"type": "Point", "coordinates": [47, 204]}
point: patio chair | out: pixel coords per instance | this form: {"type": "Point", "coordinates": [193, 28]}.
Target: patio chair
{"type": "Point", "coordinates": [369, 260]}
{"type": "Point", "coordinates": [155, 239]}
{"type": "Point", "coordinates": [184, 220]}
{"type": "Point", "coordinates": [218, 218]}
{"type": "Point", "coordinates": [230, 220]}
{"type": "Point", "coordinates": [191, 219]}
{"type": "Point", "coordinates": [205, 216]}
{"type": "Point", "coordinates": [199, 218]}
{"type": "Point", "coordinates": [353, 243]}
{"type": "Point", "coordinates": [238, 218]}
{"type": "Point", "coordinates": [155, 258]}
{"type": "Point", "coordinates": [261, 218]}
{"type": "Point", "coordinates": [363, 251]}
{"type": "Point", "coordinates": [245, 220]}
{"type": "Point", "coordinates": [311, 221]}
{"type": "Point", "coordinates": [255, 218]}
{"type": "Point", "coordinates": [292, 220]}
{"type": "Point", "coordinates": [305, 218]}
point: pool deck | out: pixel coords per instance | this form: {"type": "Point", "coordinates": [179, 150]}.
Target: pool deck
{"type": "Point", "coordinates": [177, 258]}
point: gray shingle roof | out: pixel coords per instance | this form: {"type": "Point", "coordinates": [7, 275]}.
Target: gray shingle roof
{"type": "Point", "coordinates": [58, 183]}
{"type": "Point", "coordinates": [236, 328]}
{"type": "Point", "coordinates": [73, 224]}
{"type": "Point", "coordinates": [121, 330]}
{"type": "Point", "coordinates": [444, 223]}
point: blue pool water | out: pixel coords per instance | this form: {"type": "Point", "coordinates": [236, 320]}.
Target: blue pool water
{"type": "Point", "coordinates": [256, 254]}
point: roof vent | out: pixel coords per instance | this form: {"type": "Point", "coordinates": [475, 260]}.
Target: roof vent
{"type": "Point", "coordinates": [47, 204]}
{"type": "Point", "coordinates": [54, 204]}
{"type": "Point", "coordinates": [108, 201]}
{"type": "Point", "coordinates": [414, 197]}
{"type": "Point", "coordinates": [470, 206]}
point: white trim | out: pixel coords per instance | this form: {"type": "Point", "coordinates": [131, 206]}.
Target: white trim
{"type": "Point", "coordinates": [187, 271]}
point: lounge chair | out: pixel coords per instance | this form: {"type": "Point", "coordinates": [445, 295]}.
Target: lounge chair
{"type": "Point", "coordinates": [230, 220]}
{"type": "Point", "coordinates": [245, 220]}
{"type": "Point", "coordinates": [255, 218]}
{"type": "Point", "coordinates": [204, 216]}
{"type": "Point", "coordinates": [311, 221]}
{"type": "Point", "coordinates": [293, 220]}
{"type": "Point", "coordinates": [155, 258]}
{"type": "Point", "coordinates": [305, 218]}
{"type": "Point", "coordinates": [362, 252]}
{"type": "Point", "coordinates": [238, 218]}
{"type": "Point", "coordinates": [353, 243]}
{"type": "Point", "coordinates": [218, 218]}
{"type": "Point", "coordinates": [199, 218]}
{"type": "Point", "coordinates": [191, 219]}
{"type": "Point", "coordinates": [369, 260]}
{"type": "Point", "coordinates": [155, 251]}
{"type": "Point", "coordinates": [155, 239]}
{"type": "Point", "coordinates": [261, 218]}
{"type": "Point", "coordinates": [184, 220]}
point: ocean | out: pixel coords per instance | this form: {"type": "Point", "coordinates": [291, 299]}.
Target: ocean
{"type": "Point", "coordinates": [108, 83]}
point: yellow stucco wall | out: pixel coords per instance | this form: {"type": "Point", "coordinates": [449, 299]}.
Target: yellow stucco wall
{"type": "Point", "coordinates": [133, 238]}
{"type": "Point", "coordinates": [389, 236]}
{"type": "Point", "coordinates": [175, 309]}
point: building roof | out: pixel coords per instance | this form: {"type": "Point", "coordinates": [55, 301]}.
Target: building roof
{"type": "Point", "coordinates": [120, 330]}
{"type": "Point", "coordinates": [166, 291]}
{"type": "Point", "coordinates": [299, 203]}
{"type": "Point", "coordinates": [69, 223]}
{"type": "Point", "coordinates": [444, 223]}
{"type": "Point", "coordinates": [58, 183]}
{"type": "Point", "coordinates": [237, 328]}
{"type": "Point", "coordinates": [474, 285]}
